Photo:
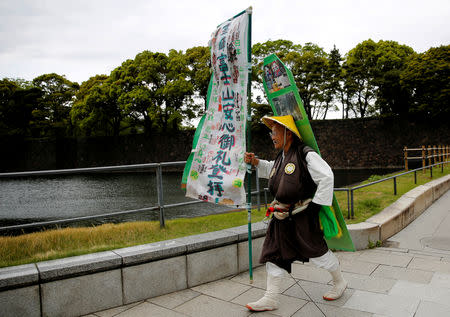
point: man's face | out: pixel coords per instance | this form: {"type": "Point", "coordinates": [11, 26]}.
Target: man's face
{"type": "Point", "coordinates": [277, 136]}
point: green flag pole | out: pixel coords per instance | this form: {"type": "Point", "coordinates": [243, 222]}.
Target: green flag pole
{"type": "Point", "coordinates": [249, 123]}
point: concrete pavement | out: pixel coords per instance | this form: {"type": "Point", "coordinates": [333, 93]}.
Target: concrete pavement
{"type": "Point", "coordinates": [409, 276]}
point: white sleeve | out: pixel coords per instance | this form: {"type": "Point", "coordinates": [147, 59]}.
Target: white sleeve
{"type": "Point", "coordinates": [322, 175]}
{"type": "Point", "coordinates": [264, 168]}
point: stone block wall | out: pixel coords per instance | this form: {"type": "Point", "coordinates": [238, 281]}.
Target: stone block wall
{"type": "Point", "coordinates": [352, 143]}
{"type": "Point", "coordinates": [88, 283]}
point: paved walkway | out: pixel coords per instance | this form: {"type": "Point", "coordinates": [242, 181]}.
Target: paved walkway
{"type": "Point", "coordinates": [410, 276]}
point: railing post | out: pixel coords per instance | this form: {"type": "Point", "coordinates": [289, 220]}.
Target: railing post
{"type": "Point", "coordinates": [434, 155]}
{"type": "Point", "coordinates": [423, 159]}
{"type": "Point", "coordinates": [395, 185]}
{"type": "Point", "coordinates": [429, 152]}
{"type": "Point", "coordinates": [442, 153]}
{"type": "Point", "coordinates": [439, 158]}
{"type": "Point", "coordinates": [353, 212]}
{"type": "Point", "coordinates": [428, 155]}
{"type": "Point", "coordinates": [159, 187]}
{"type": "Point", "coordinates": [448, 154]}
{"type": "Point", "coordinates": [348, 204]}
{"type": "Point", "coordinates": [405, 154]}
{"type": "Point", "coordinates": [415, 177]}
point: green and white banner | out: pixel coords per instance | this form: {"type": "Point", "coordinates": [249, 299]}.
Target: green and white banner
{"type": "Point", "coordinates": [215, 170]}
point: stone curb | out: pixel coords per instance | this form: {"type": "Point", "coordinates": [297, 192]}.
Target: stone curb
{"type": "Point", "coordinates": [59, 269]}
{"type": "Point", "coordinates": [18, 276]}
{"type": "Point", "coordinates": [144, 271]}
{"type": "Point", "coordinates": [83, 284]}
{"type": "Point", "coordinates": [397, 216]}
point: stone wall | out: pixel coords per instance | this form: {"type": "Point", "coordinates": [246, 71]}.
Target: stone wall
{"type": "Point", "coordinates": [84, 284]}
{"type": "Point", "coordinates": [354, 143]}
{"type": "Point", "coordinates": [376, 142]}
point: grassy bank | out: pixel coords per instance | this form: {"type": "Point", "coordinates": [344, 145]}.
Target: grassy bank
{"type": "Point", "coordinates": [53, 244]}
{"type": "Point", "coordinates": [371, 200]}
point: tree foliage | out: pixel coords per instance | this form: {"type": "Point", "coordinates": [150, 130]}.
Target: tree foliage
{"type": "Point", "coordinates": [308, 66]}
{"type": "Point", "coordinates": [198, 60]}
{"type": "Point", "coordinates": [426, 76]}
{"type": "Point", "coordinates": [359, 71]}
{"type": "Point", "coordinates": [152, 91]}
{"type": "Point", "coordinates": [371, 79]}
{"type": "Point", "coordinates": [18, 103]}
{"type": "Point", "coordinates": [95, 111]}
{"type": "Point", "coordinates": [54, 108]}
{"type": "Point", "coordinates": [391, 96]}
{"type": "Point", "coordinates": [162, 92]}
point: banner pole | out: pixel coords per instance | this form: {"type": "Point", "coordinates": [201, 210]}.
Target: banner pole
{"type": "Point", "coordinates": [249, 123]}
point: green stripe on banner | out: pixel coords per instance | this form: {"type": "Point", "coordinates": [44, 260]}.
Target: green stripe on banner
{"type": "Point", "coordinates": [187, 167]}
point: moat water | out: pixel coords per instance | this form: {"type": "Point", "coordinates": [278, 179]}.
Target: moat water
{"type": "Point", "coordinates": [33, 199]}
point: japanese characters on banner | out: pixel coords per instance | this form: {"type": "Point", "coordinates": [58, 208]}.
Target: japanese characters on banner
{"type": "Point", "coordinates": [217, 169]}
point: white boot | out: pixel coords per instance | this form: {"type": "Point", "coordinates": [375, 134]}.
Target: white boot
{"type": "Point", "coordinates": [270, 300]}
{"type": "Point", "coordinates": [339, 286]}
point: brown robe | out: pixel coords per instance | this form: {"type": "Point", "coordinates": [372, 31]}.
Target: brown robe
{"type": "Point", "coordinates": [297, 237]}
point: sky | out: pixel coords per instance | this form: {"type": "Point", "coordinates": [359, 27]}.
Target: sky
{"type": "Point", "coordinates": [83, 38]}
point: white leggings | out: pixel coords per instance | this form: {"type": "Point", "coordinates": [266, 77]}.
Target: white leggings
{"type": "Point", "coordinates": [328, 261]}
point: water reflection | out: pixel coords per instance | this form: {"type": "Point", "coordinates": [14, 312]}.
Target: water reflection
{"type": "Point", "coordinates": [32, 199]}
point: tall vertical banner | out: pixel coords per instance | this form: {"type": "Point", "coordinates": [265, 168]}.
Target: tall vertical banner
{"type": "Point", "coordinates": [284, 99]}
{"type": "Point", "coordinates": [215, 169]}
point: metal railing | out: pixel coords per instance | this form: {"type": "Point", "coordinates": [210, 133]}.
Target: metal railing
{"type": "Point", "coordinates": [350, 191]}
{"type": "Point", "coordinates": [159, 185]}
{"type": "Point", "coordinates": [160, 190]}
{"type": "Point", "coordinates": [160, 204]}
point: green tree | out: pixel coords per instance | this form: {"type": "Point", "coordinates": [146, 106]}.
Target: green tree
{"type": "Point", "coordinates": [155, 88]}
{"type": "Point", "coordinates": [96, 110]}
{"type": "Point", "coordinates": [177, 93]}
{"type": "Point", "coordinates": [83, 115]}
{"type": "Point", "coordinates": [142, 81]}
{"type": "Point", "coordinates": [371, 75]}
{"type": "Point", "coordinates": [18, 99]}
{"type": "Point", "coordinates": [391, 97]}
{"type": "Point", "coordinates": [198, 60]}
{"type": "Point", "coordinates": [337, 84]}
{"type": "Point", "coordinates": [59, 95]}
{"type": "Point", "coordinates": [360, 70]}
{"type": "Point", "coordinates": [279, 47]}
{"type": "Point", "coordinates": [427, 76]}
{"type": "Point", "coordinates": [331, 86]}
{"type": "Point", "coordinates": [308, 68]}
{"type": "Point", "coordinates": [346, 92]}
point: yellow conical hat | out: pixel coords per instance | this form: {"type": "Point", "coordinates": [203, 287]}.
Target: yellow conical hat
{"type": "Point", "coordinates": [286, 121]}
